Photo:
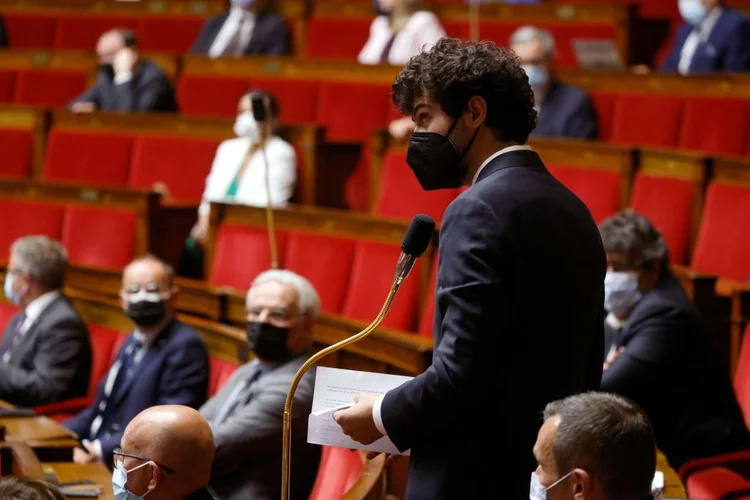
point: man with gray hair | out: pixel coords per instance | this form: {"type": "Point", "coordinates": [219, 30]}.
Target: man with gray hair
{"type": "Point", "coordinates": [45, 352]}
{"type": "Point", "coordinates": [247, 414]}
{"type": "Point", "coordinates": [594, 446]}
{"type": "Point", "coordinates": [658, 350]}
{"type": "Point", "coordinates": [563, 110]}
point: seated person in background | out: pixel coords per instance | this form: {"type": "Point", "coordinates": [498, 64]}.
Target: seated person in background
{"type": "Point", "coordinates": [166, 454]}
{"type": "Point", "coordinates": [247, 415]}
{"type": "Point", "coordinates": [22, 488]}
{"type": "Point", "coordinates": [713, 38]}
{"type": "Point", "coordinates": [564, 111]}
{"type": "Point", "coordinates": [125, 82]}
{"type": "Point", "coordinates": [162, 362]}
{"type": "Point", "coordinates": [594, 446]}
{"type": "Point", "coordinates": [45, 352]}
{"type": "Point", "coordinates": [248, 28]}
{"type": "Point", "coordinates": [658, 351]}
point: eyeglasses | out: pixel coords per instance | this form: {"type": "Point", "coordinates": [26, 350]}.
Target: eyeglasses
{"type": "Point", "coordinates": [118, 460]}
{"type": "Point", "coordinates": [278, 315]}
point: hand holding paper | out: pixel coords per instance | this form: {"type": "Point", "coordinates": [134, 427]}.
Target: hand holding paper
{"type": "Point", "coordinates": [357, 422]}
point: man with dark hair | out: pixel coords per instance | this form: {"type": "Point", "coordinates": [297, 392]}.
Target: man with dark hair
{"type": "Point", "coordinates": [658, 351]}
{"type": "Point", "coordinates": [594, 446]}
{"type": "Point", "coordinates": [125, 82]}
{"type": "Point", "coordinates": [518, 319]}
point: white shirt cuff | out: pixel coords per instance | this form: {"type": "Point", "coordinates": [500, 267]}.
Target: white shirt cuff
{"type": "Point", "coordinates": [376, 415]}
{"type": "Point", "coordinates": [98, 450]}
{"type": "Point", "coordinates": [123, 78]}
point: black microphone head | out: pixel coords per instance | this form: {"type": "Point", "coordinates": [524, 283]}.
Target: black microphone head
{"type": "Point", "coordinates": [418, 236]}
{"type": "Point", "coordinates": [259, 107]}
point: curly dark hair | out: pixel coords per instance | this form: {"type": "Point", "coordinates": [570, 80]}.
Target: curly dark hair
{"type": "Point", "coordinates": [630, 233]}
{"type": "Point", "coordinates": [453, 71]}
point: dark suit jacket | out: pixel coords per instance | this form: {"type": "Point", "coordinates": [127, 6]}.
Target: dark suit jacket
{"type": "Point", "coordinates": [247, 463]}
{"type": "Point", "coordinates": [174, 371]}
{"type": "Point", "coordinates": [518, 323]}
{"type": "Point", "coordinates": [53, 360]}
{"type": "Point", "coordinates": [567, 112]}
{"type": "Point", "coordinates": [670, 368]}
{"type": "Point", "coordinates": [148, 90]}
{"type": "Point", "coordinates": [270, 35]}
{"type": "Point", "coordinates": [727, 48]}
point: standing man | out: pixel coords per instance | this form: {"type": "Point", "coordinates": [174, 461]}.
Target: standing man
{"type": "Point", "coordinates": [45, 352]}
{"type": "Point", "coordinates": [519, 304]}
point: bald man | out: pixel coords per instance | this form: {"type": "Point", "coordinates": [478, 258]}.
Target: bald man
{"type": "Point", "coordinates": [166, 454]}
{"type": "Point", "coordinates": [125, 82]}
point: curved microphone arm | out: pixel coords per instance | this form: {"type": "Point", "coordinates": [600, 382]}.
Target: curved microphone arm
{"type": "Point", "coordinates": [269, 213]}
{"type": "Point", "coordinates": [287, 444]}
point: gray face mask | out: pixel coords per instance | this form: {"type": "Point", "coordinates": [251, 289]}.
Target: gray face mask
{"type": "Point", "coordinates": [539, 492]}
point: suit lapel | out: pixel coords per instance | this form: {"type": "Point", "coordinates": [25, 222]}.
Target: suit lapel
{"type": "Point", "coordinates": [152, 352]}
{"type": "Point", "coordinates": [31, 332]}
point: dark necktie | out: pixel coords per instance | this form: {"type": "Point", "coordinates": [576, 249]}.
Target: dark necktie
{"type": "Point", "coordinates": [14, 336]}
{"type": "Point", "coordinates": [234, 398]}
{"type": "Point", "coordinates": [387, 49]}
{"type": "Point", "coordinates": [126, 367]}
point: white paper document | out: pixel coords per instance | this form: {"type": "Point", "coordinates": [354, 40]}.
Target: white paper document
{"type": "Point", "coordinates": [334, 390]}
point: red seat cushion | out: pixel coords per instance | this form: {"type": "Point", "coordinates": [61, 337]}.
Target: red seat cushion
{"type": "Point", "coordinates": [338, 471]}
{"type": "Point", "coordinates": [219, 372]}
{"type": "Point", "coordinates": [81, 31]}
{"type": "Point", "coordinates": [88, 157]}
{"type": "Point", "coordinates": [171, 34]}
{"type": "Point", "coordinates": [715, 125]}
{"type": "Point", "coordinates": [297, 97]}
{"type": "Point", "coordinates": [371, 278]}
{"type": "Point", "coordinates": [742, 377]}
{"type": "Point", "coordinates": [17, 146]}
{"type": "Point", "coordinates": [182, 163]}
{"type": "Point", "coordinates": [722, 245]}
{"type": "Point", "coordinates": [30, 30]}
{"type": "Point", "coordinates": [648, 120]}
{"type": "Point", "coordinates": [598, 189]}
{"type": "Point", "coordinates": [668, 203]}
{"type": "Point", "coordinates": [337, 101]}
{"type": "Point", "coordinates": [604, 104]}
{"type": "Point", "coordinates": [52, 88]}
{"type": "Point", "coordinates": [201, 95]}
{"type": "Point", "coordinates": [716, 483]}
{"type": "Point", "coordinates": [336, 37]}
{"type": "Point", "coordinates": [24, 218]}
{"type": "Point", "coordinates": [401, 196]}
{"type": "Point", "coordinates": [99, 237]}
{"type": "Point", "coordinates": [7, 310]}
{"type": "Point", "coordinates": [7, 85]}
{"type": "Point", "coordinates": [241, 254]}
{"type": "Point", "coordinates": [427, 320]}
{"type": "Point", "coordinates": [304, 254]}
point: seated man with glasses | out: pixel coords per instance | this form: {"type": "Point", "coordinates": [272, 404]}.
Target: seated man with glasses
{"type": "Point", "coordinates": [247, 414]}
{"type": "Point", "coordinates": [166, 454]}
{"type": "Point", "coordinates": [162, 362]}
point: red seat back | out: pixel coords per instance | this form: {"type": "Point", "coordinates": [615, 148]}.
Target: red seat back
{"type": "Point", "coordinates": [24, 218]}
{"type": "Point", "coordinates": [171, 34]}
{"type": "Point", "coordinates": [53, 88]}
{"type": "Point", "coordinates": [598, 189]}
{"type": "Point", "coordinates": [7, 85]}
{"type": "Point", "coordinates": [427, 321]}
{"type": "Point", "coordinates": [742, 377]}
{"type": "Point", "coordinates": [103, 340]}
{"type": "Point", "coordinates": [336, 102]}
{"type": "Point", "coordinates": [30, 30]}
{"type": "Point", "coordinates": [219, 372]}
{"type": "Point", "coordinates": [201, 95]}
{"type": "Point", "coordinates": [297, 98]}
{"type": "Point", "coordinates": [17, 146]}
{"type": "Point", "coordinates": [646, 119]}
{"type": "Point", "coordinates": [715, 125]}
{"type": "Point", "coordinates": [81, 31]}
{"type": "Point", "coordinates": [338, 471]}
{"type": "Point", "coordinates": [604, 104]}
{"type": "Point", "coordinates": [99, 237]}
{"type": "Point", "coordinates": [716, 483]}
{"type": "Point", "coordinates": [336, 37]}
{"type": "Point", "coordinates": [7, 310]}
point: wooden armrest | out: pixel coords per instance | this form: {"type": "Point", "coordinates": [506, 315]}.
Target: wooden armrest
{"type": "Point", "coordinates": [19, 459]}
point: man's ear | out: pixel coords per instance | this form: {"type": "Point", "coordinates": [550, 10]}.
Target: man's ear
{"type": "Point", "coordinates": [155, 473]}
{"type": "Point", "coordinates": [477, 108]}
{"type": "Point", "coordinates": [581, 484]}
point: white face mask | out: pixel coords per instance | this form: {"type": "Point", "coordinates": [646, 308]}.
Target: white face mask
{"type": "Point", "coordinates": [621, 292]}
{"type": "Point", "coordinates": [246, 126]}
{"type": "Point", "coordinates": [539, 492]}
{"type": "Point", "coordinates": [692, 11]}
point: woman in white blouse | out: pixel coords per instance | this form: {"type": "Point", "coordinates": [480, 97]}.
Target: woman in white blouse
{"type": "Point", "coordinates": [400, 32]}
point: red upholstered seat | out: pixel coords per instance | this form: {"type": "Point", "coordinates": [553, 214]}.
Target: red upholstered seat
{"type": "Point", "coordinates": [88, 157]}
{"type": "Point", "coordinates": [722, 245]}
{"type": "Point", "coordinates": [371, 278]}
{"type": "Point", "coordinates": [16, 147]}
{"type": "Point", "coordinates": [24, 218]}
{"type": "Point", "coordinates": [338, 471]}
{"type": "Point", "coordinates": [297, 97]}
{"type": "Point", "coordinates": [715, 125]}
{"type": "Point", "coordinates": [336, 37]}
{"type": "Point", "coordinates": [219, 372]}
{"type": "Point", "coordinates": [7, 85]}
{"type": "Point", "coordinates": [52, 88]}
{"type": "Point", "coordinates": [7, 310]}
{"type": "Point", "coordinates": [742, 377]}
{"type": "Point", "coordinates": [99, 236]}
{"type": "Point", "coordinates": [604, 104]}
{"type": "Point", "coordinates": [599, 189]}
{"type": "Point", "coordinates": [324, 260]}
{"type": "Point", "coordinates": [181, 163]}
{"type": "Point", "coordinates": [427, 320]}
{"type": "Point", "coordinates": [351, 111]}
{"type": "Point", "coordinates": [81, 31]}
{"type": "Point", "coordinates": [171, 34]}
{"type": "Point", "coordinates": [121, 338]}
{"type": "Point", "coordinates": [646, 119]}
{"type": "Point", "coordinates": [669, 203]}
{"type": "Point", "coordinates": [717, 483]}
{"type": "Point", "coordinates": [201, 95]}
{"type": "Point", "coordinates": [241, 254]}
{"type": "Point", "coordinates": [30, 30]}
{"type": "Point", "coordinates": [401, 196]}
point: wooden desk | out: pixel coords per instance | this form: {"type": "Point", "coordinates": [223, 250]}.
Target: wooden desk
{"type": "Point", "coordinates": [98, 473]}
{"type": "Point", "coordinates": [673, 487]}
{"type": "Point", "coordinates": [48, 439]}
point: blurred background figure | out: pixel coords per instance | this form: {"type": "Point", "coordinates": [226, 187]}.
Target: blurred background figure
{"type": "Point", "coordinates": [563, 110]}
{"type": "Point", "coordinates": [247, 28]}
{"type": "Point", "coordinates": [125, 81]}
{"type": "Point", "coordinates": [22, 488]}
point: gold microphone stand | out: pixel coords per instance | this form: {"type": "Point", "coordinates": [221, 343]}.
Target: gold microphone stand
{"type": "Point", "coordinates": [287, 444]}
{"type": "Point", "coordinates": [269, 207]}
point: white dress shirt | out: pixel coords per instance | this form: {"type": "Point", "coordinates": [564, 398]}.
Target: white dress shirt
{"type": "Point", "coordinates": [700, 34]}
{"type": "Point", "coordinates": [421, 32]}
{"type": "Point", "coordinates": [379, 402]}
{"type": "Point", "coordinates": [282, 166]}
{"type": "Point", "coordinates": [239, 23]}
{"type": "Point", "coordinates": [32, 312]}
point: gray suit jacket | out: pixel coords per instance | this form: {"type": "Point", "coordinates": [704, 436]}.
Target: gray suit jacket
{"type": "Point", "coordinates": [247, 465]}
{"type": "Point", "coordinates": [53, 360]}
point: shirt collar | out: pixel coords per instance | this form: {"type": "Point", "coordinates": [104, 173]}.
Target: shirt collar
{"type": "Point", "coordinates": [39, 304]}
{"type": "Point", "coordinates": [240, 13]}
{"type": "Point", "coordinates": [144, 339]}
{"type": "Point", "coordinates": [614, 322]}
{"type": "Point", "coordinates": [509, 149]}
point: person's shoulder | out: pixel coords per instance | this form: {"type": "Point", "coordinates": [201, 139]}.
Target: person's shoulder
{"type": "Point", "coordinates": [573, 94]}
{"type": "Point", "coordinates": [183, 334]}
{"type": "Point", "coordinates": [734, 18]}
{"type": "Point", "coordinates": [665, 305]}
{"type": "Point", "coordinates": [279, 146]}
{"type": "Point", "coordinates": [271, 19]}
{"type": "Point", "coordinates": [423, 18]}
{"type": "Point", "coordinates": [232, 144]}
{"type": "Point", "coordinates": [152, 71]}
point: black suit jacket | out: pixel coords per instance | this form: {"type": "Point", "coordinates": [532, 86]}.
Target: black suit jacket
{"type": "Point", "coordinates": [670, 368]}
{"type": "Point", "coordinates": [518, 323]}
{"type": "Point", "coordinates": [148, 90]}
{"type": "Point", "coordinates": [270, 35]}
{"type": "Point", "coordinates": [567, 111]}
{"type": "Point", "coordinates": [53, 360]}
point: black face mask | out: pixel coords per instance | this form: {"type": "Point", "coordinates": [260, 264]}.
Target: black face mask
{"type": "Point", "coordinates": [267, 341]}
{"type": "Point", "coordinates": [145, 313]}
{"type": "Point", "coordinates": [107, 69]}
{"type": "Point", "coordinates": [435, 160]}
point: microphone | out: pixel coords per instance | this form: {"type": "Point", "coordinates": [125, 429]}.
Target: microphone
{"type": "Point", "coordinates": [259, 107]}
{"type": "Point", "coordinates": [413, 245]}
{"type": "Point", "coordinates": [258, 102]}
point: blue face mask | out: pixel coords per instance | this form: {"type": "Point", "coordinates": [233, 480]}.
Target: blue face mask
{"type": "Point", "coordinates": [538, 76]}
{"type": "Point", "coordinates": [692, 11]}
{"type": "Point", "coordinates": [539, 492]}
{"type": "Point", "coordinates": [621, 293]}
{"type": "Point", "coordinates": [120, 481]}
{"type": "Point", "coordinates": [8, 289]}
